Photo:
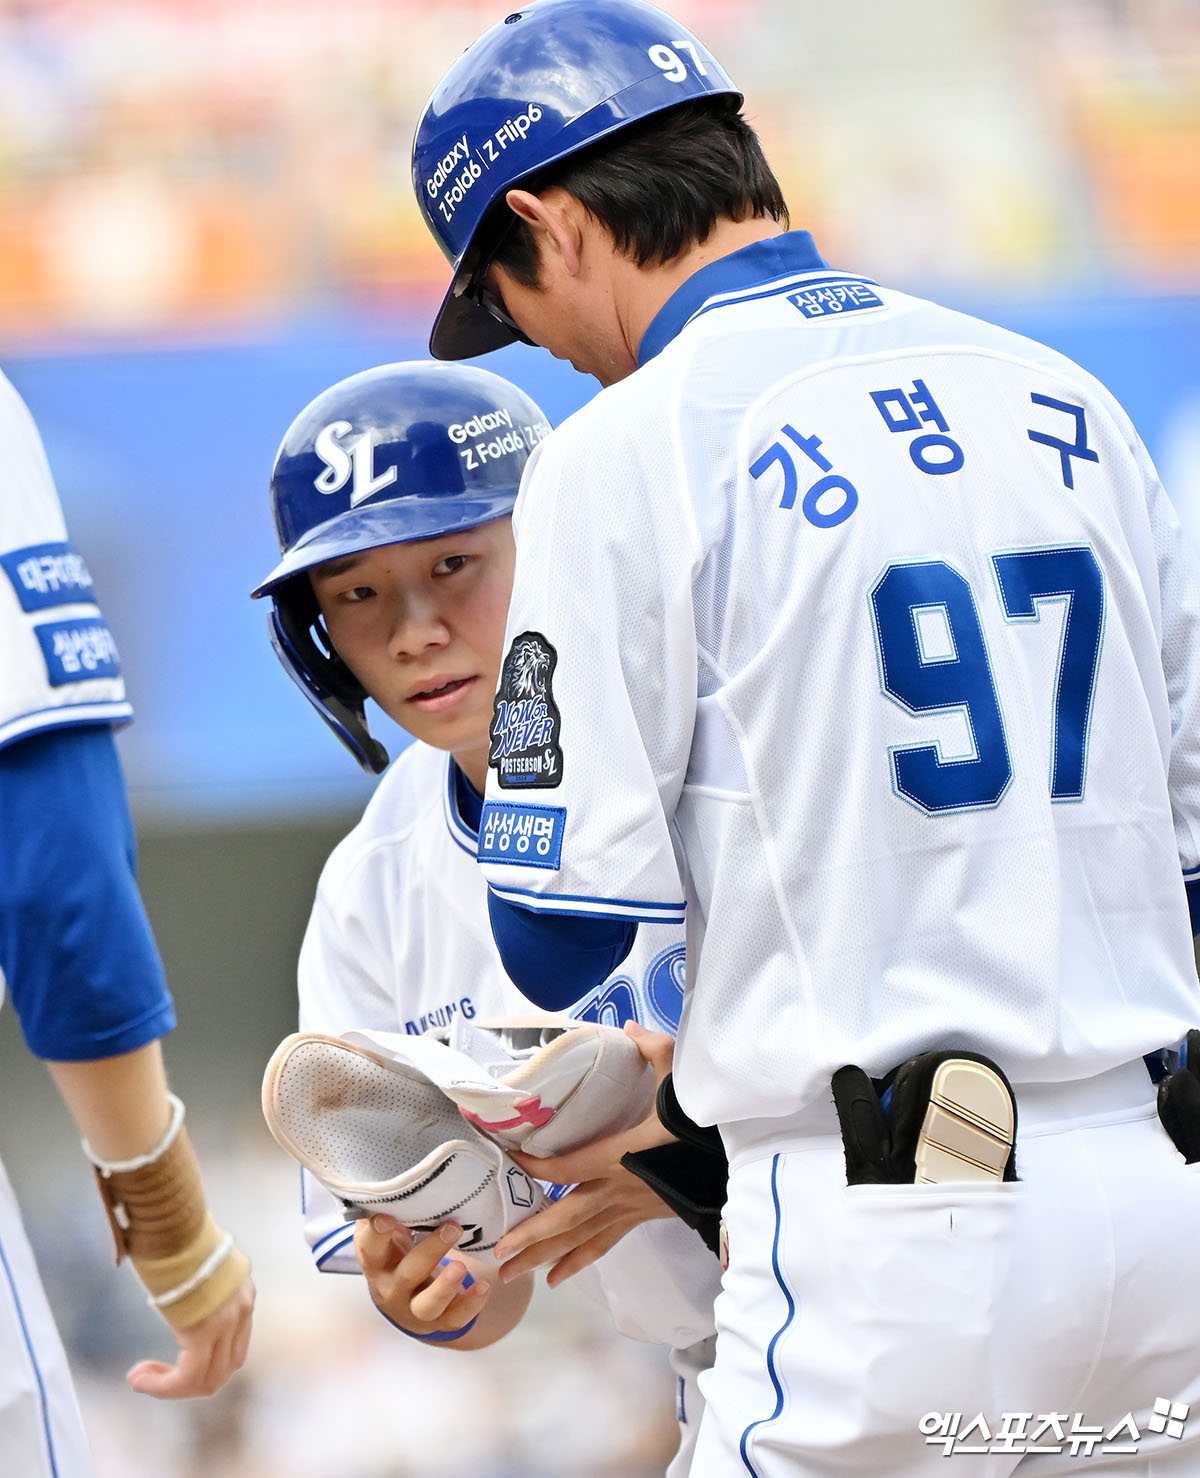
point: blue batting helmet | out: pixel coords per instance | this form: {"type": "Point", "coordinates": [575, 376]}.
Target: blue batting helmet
{"type": "Point", "coordinates": [544, 83]}
{"type": "Point", "coordinates": [389, 456]}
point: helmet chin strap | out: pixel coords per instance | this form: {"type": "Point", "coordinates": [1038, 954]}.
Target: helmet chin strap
{"type": "Point", "coordinates": [326, 682]}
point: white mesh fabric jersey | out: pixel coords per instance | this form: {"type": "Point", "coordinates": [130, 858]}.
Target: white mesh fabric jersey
{"type": "Point", "coordinates": [60, 661]}
{"type": "Point", "coordinates": [877, 644]}
{"type": "Point", "coordinates": [399, 940]}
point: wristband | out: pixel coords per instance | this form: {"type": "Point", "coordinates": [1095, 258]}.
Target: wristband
{"type": "Point", "coordinates": [439, 1336]}
{"type": "Point", "coordinates": [159, 1221]}
{"type": "Point", "coordinates": [195, 1281]}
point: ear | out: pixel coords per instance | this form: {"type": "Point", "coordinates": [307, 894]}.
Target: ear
{"type": "Point", "coordinates": [554, 219]}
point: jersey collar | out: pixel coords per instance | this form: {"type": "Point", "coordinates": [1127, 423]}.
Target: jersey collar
{"type": "Point", "coordinates": [787, 255]}
{"type": "Point", "coordinates": [463, 808]}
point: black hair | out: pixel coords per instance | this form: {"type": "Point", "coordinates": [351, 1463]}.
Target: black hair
{"type": "Point", "coordinates": [658, 186]}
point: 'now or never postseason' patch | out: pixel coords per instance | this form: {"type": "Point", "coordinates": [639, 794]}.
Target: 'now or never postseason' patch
{"type": "Point", "coordinates": [525, 749]}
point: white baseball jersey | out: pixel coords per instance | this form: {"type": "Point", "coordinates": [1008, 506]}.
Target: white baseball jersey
{"type": "Point", "coordinates": [60, 661]}
{"type": "Point", "coordinates": [864, 633]}
{"type": "Point", "coordinates": [59, 669]}
{"type": "Point", "coordinates": [399, 940]}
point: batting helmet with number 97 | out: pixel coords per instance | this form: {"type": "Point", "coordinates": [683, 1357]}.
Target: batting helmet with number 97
{"type": "Point", "coordinates": [544, 83]}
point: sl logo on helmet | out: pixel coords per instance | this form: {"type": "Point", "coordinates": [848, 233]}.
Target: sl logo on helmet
{"type": "Point", "coordinates": [354, 459]}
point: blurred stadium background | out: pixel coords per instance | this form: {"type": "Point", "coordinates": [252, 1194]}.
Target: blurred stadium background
{"type": "Point", "coordinates": [205, 219]}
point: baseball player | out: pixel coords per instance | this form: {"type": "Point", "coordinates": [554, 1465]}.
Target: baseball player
{"type": "Point", "coordinates": [80, 965]}
{"type": "Point", "coordinates": [392, 493]}
{"type": "Point", "coordinates": [869, 644]}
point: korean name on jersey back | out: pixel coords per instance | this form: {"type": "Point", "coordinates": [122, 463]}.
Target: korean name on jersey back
{"type": "Point", "coordinates": [525, 751]}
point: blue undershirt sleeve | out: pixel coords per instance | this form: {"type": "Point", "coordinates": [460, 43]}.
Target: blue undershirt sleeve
{"type": "Point", "coordinates": [76, 948]}
{"type": "Point", "coordinates": [1193, 898]}
{"type": "Point", "coordinates": [554, 959]}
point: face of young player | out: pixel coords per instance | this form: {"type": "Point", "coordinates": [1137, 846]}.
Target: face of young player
{"type": "Point", "coordinates": [421, 626]}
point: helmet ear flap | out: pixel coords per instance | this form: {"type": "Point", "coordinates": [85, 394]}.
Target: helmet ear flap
{"type": "Point", "coordinates": [302, 619]}
{"type": "Point", "coordinates": [294, 625]}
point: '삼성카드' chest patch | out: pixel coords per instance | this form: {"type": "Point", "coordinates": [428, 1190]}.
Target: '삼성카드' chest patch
{"type": "Point", "coordinates": [525, 751]}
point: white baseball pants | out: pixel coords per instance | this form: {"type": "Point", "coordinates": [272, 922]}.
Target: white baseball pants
{"type": "Point", "coordinates": [41, 1431]}
{"type": "Point", "coordinates": [856, 1324]}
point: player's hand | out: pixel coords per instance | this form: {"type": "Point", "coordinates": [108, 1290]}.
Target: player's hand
{"type": "Point", "coordinates": [607, 1200]}
{"type": "Point", "coordinates": [416, 1284]}
{"type": "Point", "coordinates": [209, 1353]}
{"type": "Point", "coordinates": [588, 1221]}
{"type": "Point", "coordinates": [658, 1049]}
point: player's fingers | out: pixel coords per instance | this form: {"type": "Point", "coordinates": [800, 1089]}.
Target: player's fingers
{"type": "Point", "coordinates": [228, 1355]}
{"type": "Point", "coordinates": [393, 1288]}
{"type": "Point", "coordinates": [240, 1345]}
{"type": "Point", "coordinates": [209, 1353]}
{"type": "Point", "coordinates": [431, 1302]}
{"type": "Point", "coordinates": [427, 1312]}
{"type": "Point", "coordinates": [585, 1164]}
{"type": "Point", "coordinates": [576, 1207]}
{"type": "Point", "coordinates": [226, 1333]}
{"type": "Point", "coordinates": [380, 1243]}
{"type": "Point", "coordinates": [658, 1048]}
{"type": "Point", "coordinates": [552, 1249]}
{"type": "Point", "coordinates": [421, 1262]}
{"type": "Point", "coordinates": [446, 1302]}
{"type": "Point", "coordinates": [589, 1163]}
{"type": "Point", "coordinates": [191, 1375]}
{"type": "Point", "coordinates": [464, 1308]}
{"type": "Point", "coordinates": [149, 1377]}
{"type": "Point", "coordinates": [588, 1252]}
{"type": "Point", "coordinates": [615, 1195]}
{"type": "Point", "coordinates": [597, 1159]}
{"type": "Point", "coordinates": [220, 1367]}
